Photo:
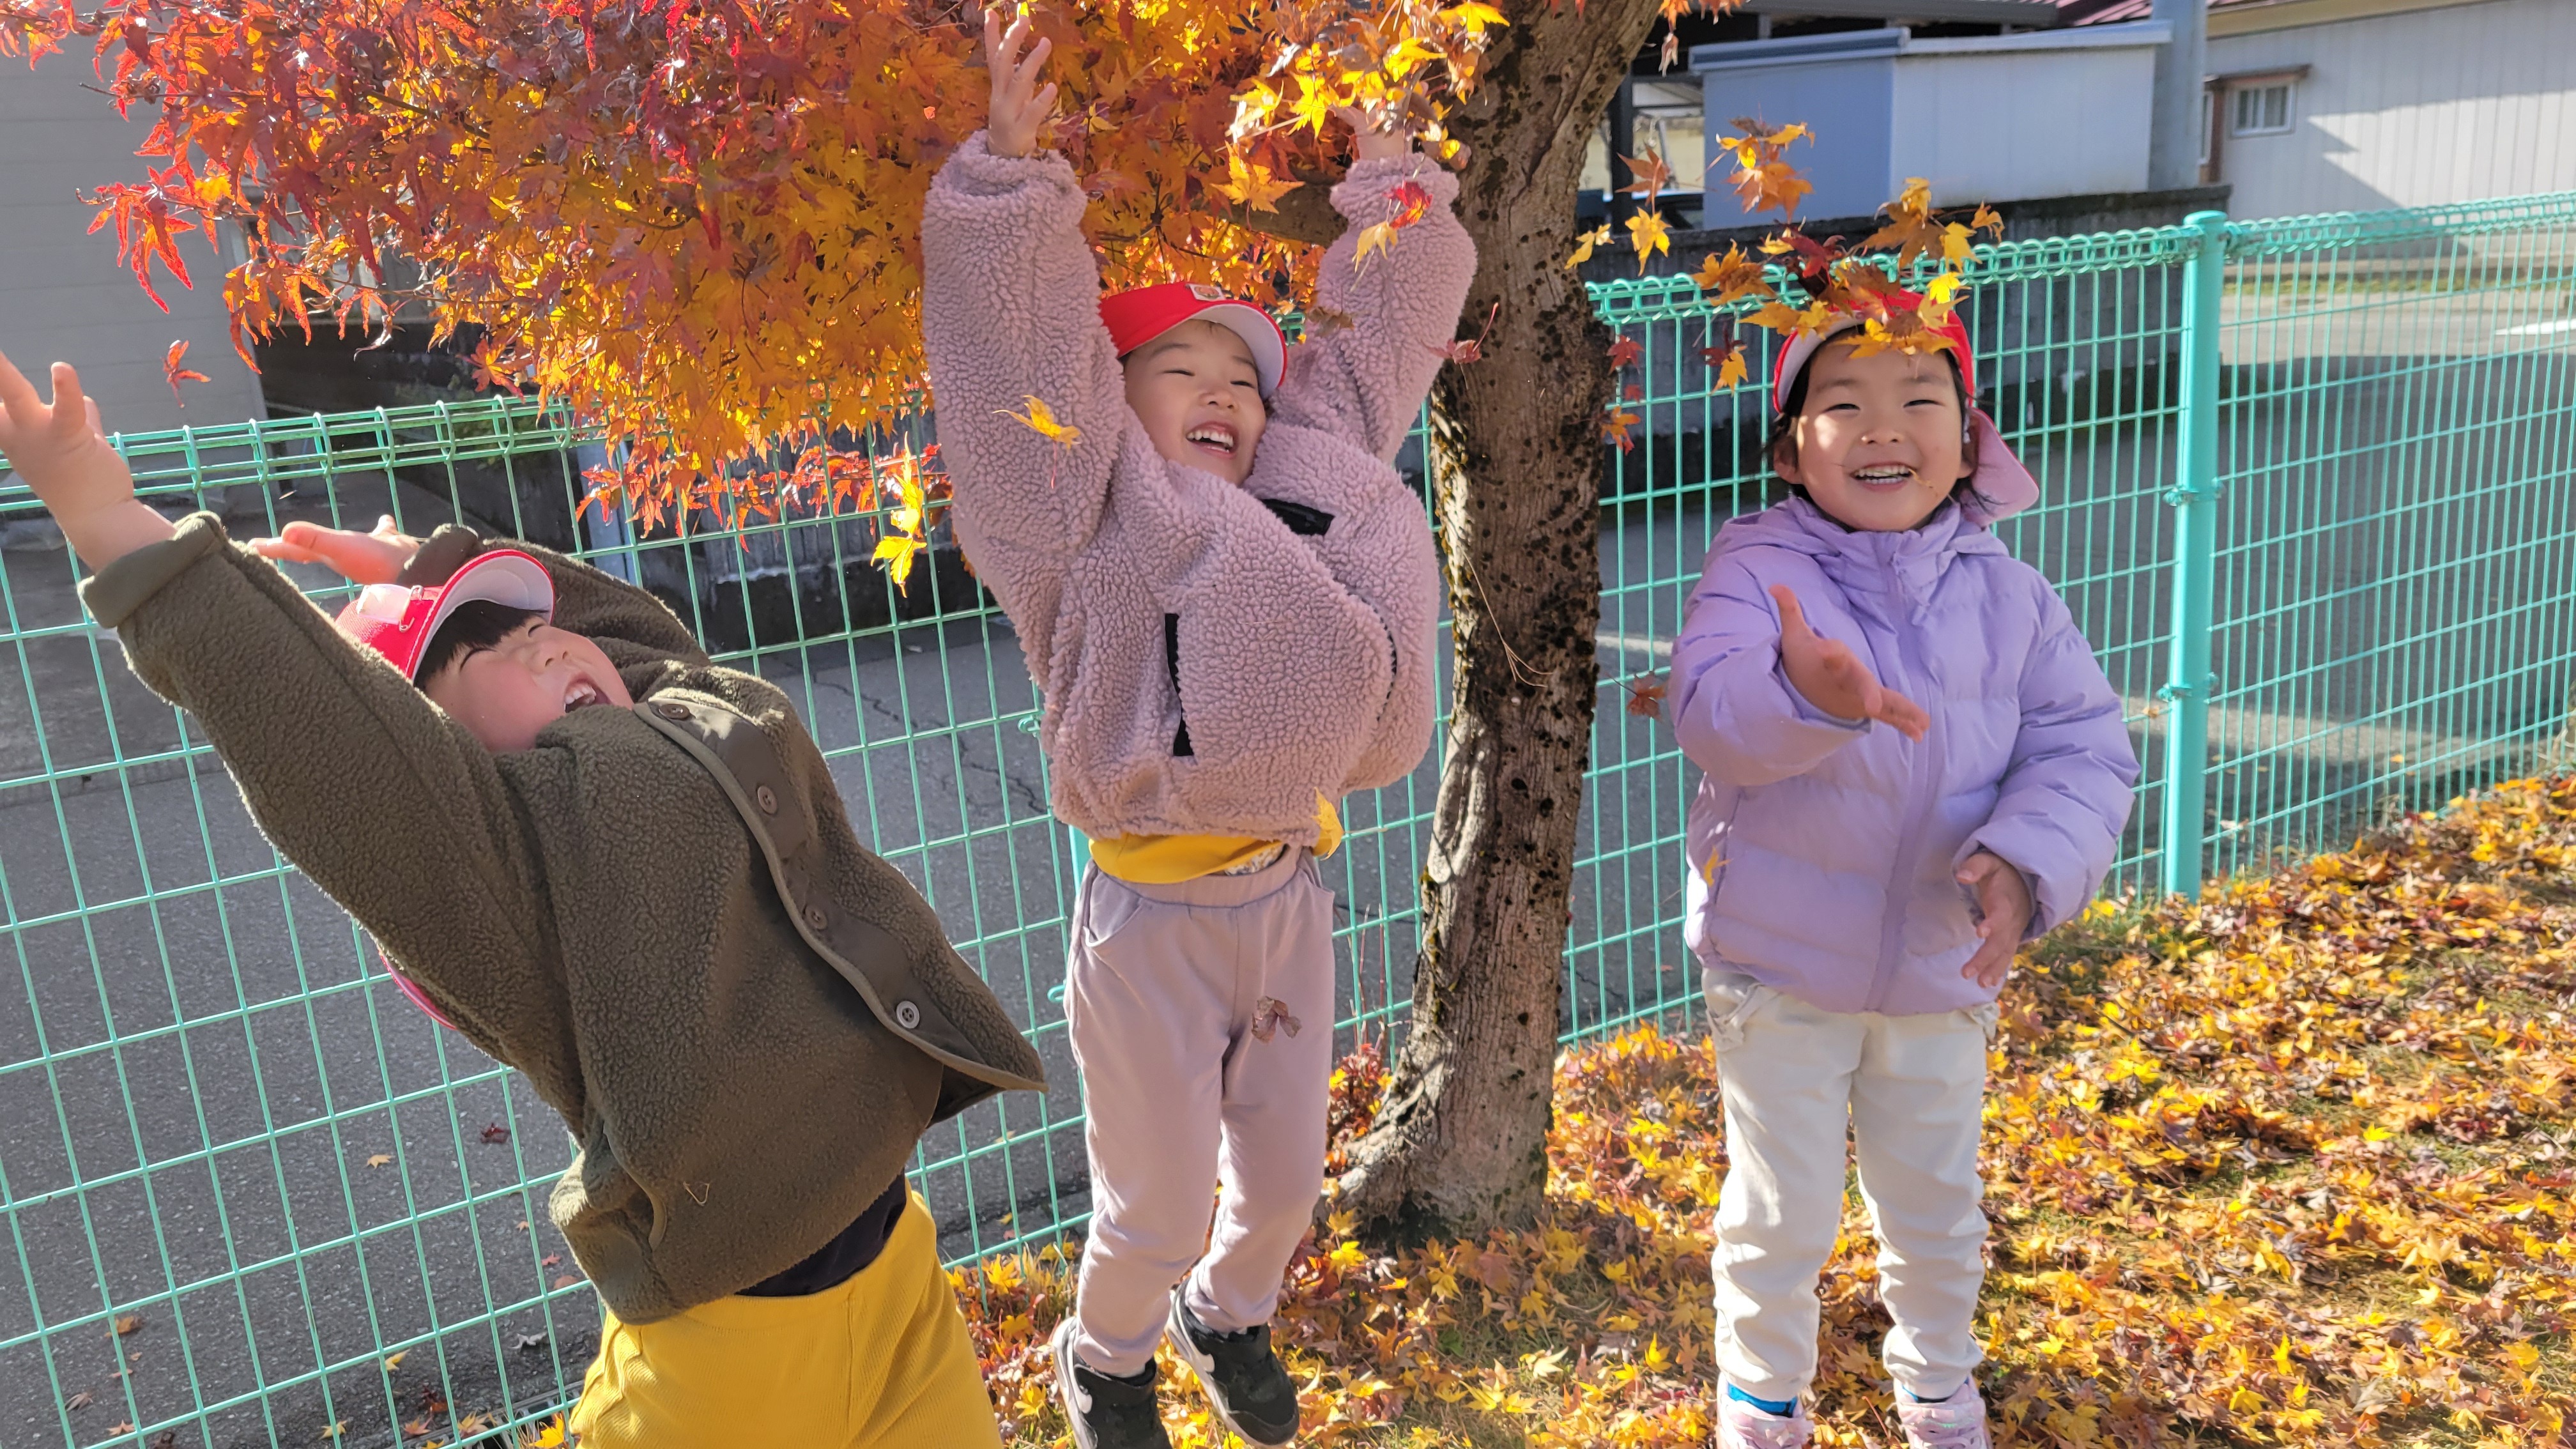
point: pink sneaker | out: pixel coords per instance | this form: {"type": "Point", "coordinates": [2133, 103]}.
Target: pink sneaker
{"type": "Point", "coordinates": [1742, 1426]}
{"type": "Point", "coordinates": [1957, 1422]}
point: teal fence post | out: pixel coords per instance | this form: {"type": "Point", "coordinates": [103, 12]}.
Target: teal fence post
{"type": "Point", "coordinates": [2194, 497]}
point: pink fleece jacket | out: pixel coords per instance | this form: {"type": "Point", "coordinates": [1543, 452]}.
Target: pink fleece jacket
{"type": "Point", "coordinates": [1215, 659]}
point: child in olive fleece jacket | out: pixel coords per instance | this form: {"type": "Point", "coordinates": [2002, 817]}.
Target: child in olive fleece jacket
{"type": "Point", "coordinates": [1228, 597]}
{"type": "Point", "coordinates": [626, 872]}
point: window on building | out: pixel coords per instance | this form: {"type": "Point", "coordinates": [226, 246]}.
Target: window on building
{"type": "Point", "coordinates": [2259, 110]}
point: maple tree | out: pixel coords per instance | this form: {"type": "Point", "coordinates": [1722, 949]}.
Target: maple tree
{"type": "Point", "coordinates": [696, 221]}
{"type": "Point", "coordinates": [2285, 1165]}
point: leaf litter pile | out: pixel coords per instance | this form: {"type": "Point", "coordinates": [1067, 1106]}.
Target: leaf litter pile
{"type": "Point", "coordinates": [2288, 1165]}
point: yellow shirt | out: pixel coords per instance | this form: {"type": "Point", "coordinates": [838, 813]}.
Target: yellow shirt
{"type": "Point", "coordinates": [1171, 859]}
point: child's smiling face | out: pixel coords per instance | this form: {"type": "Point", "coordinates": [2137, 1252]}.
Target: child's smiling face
{"type": "Point", "coordinates": [1197, 392]}
{"type": "Point", "coordinates": [529, 678]}
{"type": "Point", "coordinates": [1881, 440]}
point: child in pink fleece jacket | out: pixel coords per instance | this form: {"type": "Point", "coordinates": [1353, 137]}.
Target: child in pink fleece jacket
{"type": "Point", "coordinates": [1228, 597]}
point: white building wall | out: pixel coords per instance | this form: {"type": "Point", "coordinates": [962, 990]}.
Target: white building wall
{"type": "Point", "coordinates": [1990, 120]}
{"type": "Point", "coordinates": [2413, 109]}
{"type": "Point", "coordinates": [63, 294]}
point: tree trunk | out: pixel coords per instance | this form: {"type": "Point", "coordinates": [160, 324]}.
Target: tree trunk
{"type": "Point", "coordinates": [1460, 1142]}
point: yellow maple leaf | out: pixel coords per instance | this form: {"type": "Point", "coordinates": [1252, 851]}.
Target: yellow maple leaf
{"type": "Point", "coordinates": [1376, 238]}
{"type": "Point", "coordinates": [1648, 233]}
{"type": "Point", "coordinates": [548, 1435]}
{"type": "Point", "coordinates": [1474, 15]}
{"type": "Point", "coordinates": [1731, 371]}
{"type": "Point", "coordinates": [1041, 419]}
{"type": "Point", "coordinates": [897, 552]}
{"type": "Point", "coordinates": [1252, 185]}
{"type": "Point", "coordinates": [1583, 245]}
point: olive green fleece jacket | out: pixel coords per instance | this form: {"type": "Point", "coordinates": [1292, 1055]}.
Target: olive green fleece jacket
{"type": "Point", "coordinates": [659, 914]}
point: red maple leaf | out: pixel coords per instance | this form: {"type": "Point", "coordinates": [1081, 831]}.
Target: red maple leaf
{"type": "Point", "coordinates": [1625, 351]}
{"type": "Point", "coordinates": [174, 370]}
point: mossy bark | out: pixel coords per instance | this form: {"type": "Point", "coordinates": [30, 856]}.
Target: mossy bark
{"type": "Point", "coordinates": [1460, 1142]}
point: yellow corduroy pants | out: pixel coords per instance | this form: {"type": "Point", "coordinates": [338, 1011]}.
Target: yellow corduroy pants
{"type": "Point", "coordinates": [881, 1361]}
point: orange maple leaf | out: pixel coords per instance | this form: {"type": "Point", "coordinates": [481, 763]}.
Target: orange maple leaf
{"type": "Point", "coordinates": [175, 371]}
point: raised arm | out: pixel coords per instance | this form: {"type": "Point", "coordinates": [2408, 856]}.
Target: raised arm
{"type": "Point", "coordinates": [1010, 312]}
{"type": "Point", "coordinates": [1366, 380]}
{"type": "Point", "coordinates": [2070, 784]}
{"type": "Point", "coordinates": [391, 808]}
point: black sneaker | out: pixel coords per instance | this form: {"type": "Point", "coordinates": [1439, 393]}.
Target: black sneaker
{"type": "Point", "coordinates": [1245, 1381]}
{"type": "Point", "coordinates": [1107, 1413]}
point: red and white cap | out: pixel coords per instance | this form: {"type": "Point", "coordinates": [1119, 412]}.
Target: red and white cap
{"type": "Point", "coordinates": [1139, 316]}
{"type": "Point", "coordinates": [398, 622]}
{"type": "Point", "coordinates": [2001, 486]}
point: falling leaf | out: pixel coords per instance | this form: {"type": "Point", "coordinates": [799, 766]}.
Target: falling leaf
{"type": "Point", "coordinates": [1377, 237]}
{"type": "Point", "coordinates": [1646, 695]}
{"type": "Point", "coordinates": [1651, 177]}
{"type": "Point", "coordinates": [394, 1360]}
{"type": "Point", "coordinates": [1728, 359]}
{"type": "Point", "coordinates": [1323, 321]}
{"type": "Point", "coordinates": [121, 1426]}
{"type": "Point", "coordinates": [380, 1159]}
{"type": "Point", "coordinates": [1625, 351]}
{"type": "Point", "coordinates": [1614, 429]}
{"type": "Point", "coordinates": [478, 1422]}
{"type": "Point", "coordinates": [1412, 202]}
{"type": "Point", "coordinates": [79, 1400]}
{"type": "Point", "coordinates": [897, 553]}
{"type": "Point", "coordinates": [528, 1342]}
{"type": "Point", "coordinates": [1583, 245]}
{"type": "Point", "coordinates": [1734, 276]}
{"type": "Point", "coordinates": [128, 1322]}
{"type": "Point", "coordinates": [567, 1280]}
{"type": "Point", "coordinates": [1650, 235]}
{"type": "Point", "coordinates": [1467, 350]}
{"type": "Point", "coordinates": [1041, 420]}
{"type": "Point", "coordinates": [548, 1435]}
{"type": "Point", "coordinates": [334, 1430]}
{"type": "Point", "coordinates": [174, 370]}
{"type": "Point", "coordinates": [495, 1132]}
{"type": "Point", "coordinates": [414, 1428]}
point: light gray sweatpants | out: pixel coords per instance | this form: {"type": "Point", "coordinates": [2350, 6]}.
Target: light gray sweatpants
{"type": "Point", "coordinates": [1803, 1086]}
{"type": "Point", "coordinates": [1202, 1023]}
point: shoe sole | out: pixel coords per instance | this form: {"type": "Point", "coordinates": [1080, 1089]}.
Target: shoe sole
{"type": "Point", "coordinates": [1061, 1348]}
{"type": "Point", "coordinates": [1203, 1369]}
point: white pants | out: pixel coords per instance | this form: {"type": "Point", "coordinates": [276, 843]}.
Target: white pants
{"type": "Point", "coordinates": [1910, 1090]}
{"type": "Point", "coordinates": [1202, 1023]}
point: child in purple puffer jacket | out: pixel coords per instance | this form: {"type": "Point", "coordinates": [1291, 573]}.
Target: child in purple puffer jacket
{"type": "Point", "coordinates": [1228, 598]}
{"type": "Point", "coordinates": [1913, 765]}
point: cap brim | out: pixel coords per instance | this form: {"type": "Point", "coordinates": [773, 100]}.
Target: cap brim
{"type": "Point", "coordinates": [504, 576]}
{"type": "Point", "coordinates": [1259, 333]}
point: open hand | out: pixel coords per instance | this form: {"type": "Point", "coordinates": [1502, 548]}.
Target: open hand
{"type": "Point", "coordinates": [375, 557]}
{"type": "Point", "coordinates": [1368, 143]}
{"type": "Point", "coordinates": [1833, 679]}
{"type": "Point", "coordinates": [2003, 915]}
{"type": "Point", "coordinates": [1020, 105]}
{"type": "Point", "coordinates": [61, 453]}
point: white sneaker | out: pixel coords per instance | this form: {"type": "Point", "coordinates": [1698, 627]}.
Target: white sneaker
{"type": "Point", "coordinates": [1742, 1426]}
{"type": "Point", "coordinates": [1957, 1422]}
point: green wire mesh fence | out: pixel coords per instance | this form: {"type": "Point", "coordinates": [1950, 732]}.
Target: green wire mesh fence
{"type": "Point", "coordinates": [2308, 490]}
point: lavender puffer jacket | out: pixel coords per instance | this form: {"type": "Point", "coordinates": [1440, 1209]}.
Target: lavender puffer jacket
{"type": "Point", "coordinates": [1215, 659]}
{"type": "Point", "coordinates": [1822, 852]}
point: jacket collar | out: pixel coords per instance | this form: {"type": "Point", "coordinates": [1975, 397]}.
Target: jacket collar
{"type": "Point", "coordinates": [1900, 569]}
